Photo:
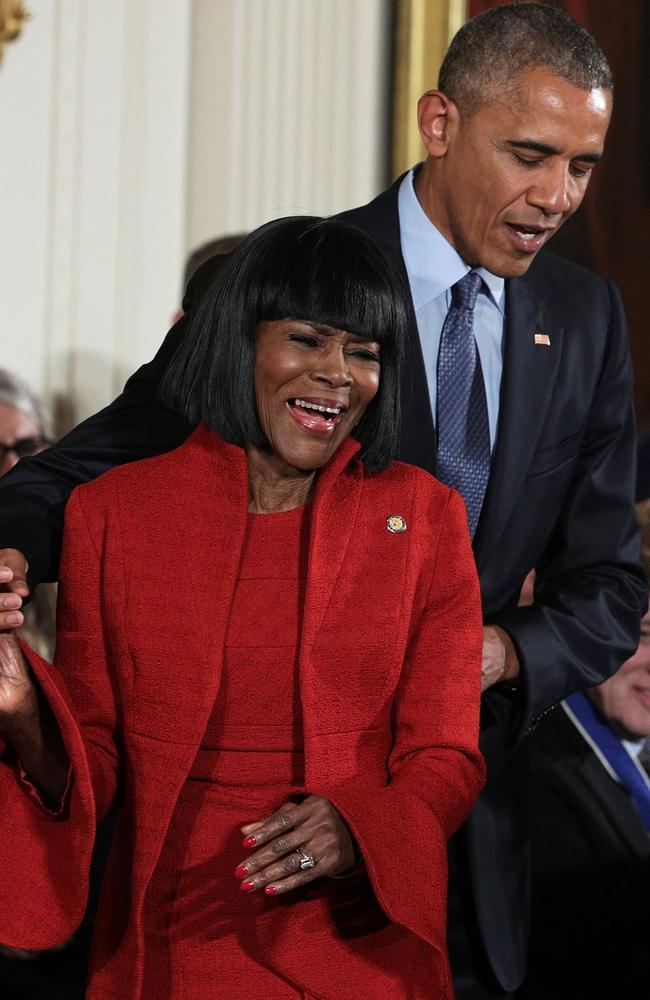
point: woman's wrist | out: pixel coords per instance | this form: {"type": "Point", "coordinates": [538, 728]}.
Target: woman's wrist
{"type": "Point", "coordinates": [38, 744]}
{"type": "Point", "coordinates": [23, 725]}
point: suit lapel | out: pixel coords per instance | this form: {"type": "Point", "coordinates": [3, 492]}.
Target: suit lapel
{"type": "Point", "coordinates": [380, 220]}
{"type": "Point", "coordinates": [529, 372]}
{"type": "Point", "coordinates": [616, 804]}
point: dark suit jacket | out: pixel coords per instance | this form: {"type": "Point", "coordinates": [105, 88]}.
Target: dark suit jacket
{"type": "Point", "coordinates": [559, 499]}
{"type": "Point", "coordinates": [591, 874]}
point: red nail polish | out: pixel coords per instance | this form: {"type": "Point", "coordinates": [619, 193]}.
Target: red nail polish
{"type": "Point", "coordinates": [271, 890]}
{"type": "Point", "coordinates": [247, 886]}
{"type": "Point", "coordinates": [241, 871]}
{"type": "Point", "coordinates": [250, 842]}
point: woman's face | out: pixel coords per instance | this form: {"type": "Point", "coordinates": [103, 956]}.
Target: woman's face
{"type": "Point", "coordinates": [312, 385]}
{"type": "Point", "coordinates": [16, 428]}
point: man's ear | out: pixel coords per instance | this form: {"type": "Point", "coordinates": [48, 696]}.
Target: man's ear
{"type": "Point", "coordinates": [437, 117]}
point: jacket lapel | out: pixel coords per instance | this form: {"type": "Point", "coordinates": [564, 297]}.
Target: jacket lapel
{"type": "Point", "coordinates": [178, 652]}
{"type": "Point", "coordinates": [615, 804]}
{"type": "Point", "coordinates": [380, 220]}
{"type": "Point", "coordinates": [527, 384]}
{"type": "Point", "coordinates": [335, 510]}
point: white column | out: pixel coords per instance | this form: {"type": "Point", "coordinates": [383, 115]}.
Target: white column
{"type": "Point", "coordinates": [96, 220]}
{"type": "Point", "coordinates": [135, 129]}
{"type": "Point", "coordinates": [289, 102]}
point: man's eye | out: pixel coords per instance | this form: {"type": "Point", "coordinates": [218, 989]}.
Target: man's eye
{"type": "Point", "coordinates": [525, 161]}
{"type": "Point", "coordinates": [580, 172]}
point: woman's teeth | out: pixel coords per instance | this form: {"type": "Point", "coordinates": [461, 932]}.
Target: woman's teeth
{"type": "Point", "coordinates": [329, 410]}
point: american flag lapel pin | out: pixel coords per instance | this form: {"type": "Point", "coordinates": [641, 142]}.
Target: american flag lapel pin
{"type": "Point", "coordinates": [543, 339]}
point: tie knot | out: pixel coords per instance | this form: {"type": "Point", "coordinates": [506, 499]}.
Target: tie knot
{"type": "Point", "coordinates": [464, 292]}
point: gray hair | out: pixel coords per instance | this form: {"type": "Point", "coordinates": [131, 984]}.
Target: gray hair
{"type": "Point", "coordinates": [492, 49]}
{"type": "Point", "coordinates": [17, 393]}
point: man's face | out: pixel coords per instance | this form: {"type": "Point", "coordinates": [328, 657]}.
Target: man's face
{"type": "Point", "coordinates": [516, 169]}
{"type": "Point", "coordinates": [624, 699]}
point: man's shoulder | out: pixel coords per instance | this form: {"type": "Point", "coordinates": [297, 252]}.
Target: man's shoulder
{"type": "Point", "coordinates": [378, 217]}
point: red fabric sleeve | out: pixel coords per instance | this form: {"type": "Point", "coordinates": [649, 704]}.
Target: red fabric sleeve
{"type": "Point", "coordinates": [435, 768]}
{"type": "Point", "coordinates": [44, 855]}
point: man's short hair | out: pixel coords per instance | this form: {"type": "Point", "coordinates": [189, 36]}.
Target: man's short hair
{"type": "Point", "coordinates": [322, 270]}
{"type": "Point", "coordinates": [492, 49]}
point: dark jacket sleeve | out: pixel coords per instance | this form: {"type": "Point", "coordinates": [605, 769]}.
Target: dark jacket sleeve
{"type": "Point", "coordinates": [136, 425]}
{"type": "Point", "coordinates": [591, 591]}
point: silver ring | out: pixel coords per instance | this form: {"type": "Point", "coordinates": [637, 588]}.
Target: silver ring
{"type": "Point", "coordinates": [307, 861]}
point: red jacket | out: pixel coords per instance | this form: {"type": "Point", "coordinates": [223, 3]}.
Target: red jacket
{"type": "Point", "coordinates": [389, 679]}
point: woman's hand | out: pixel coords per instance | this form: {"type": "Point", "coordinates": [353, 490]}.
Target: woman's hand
{"type": "Point", "coordinates": [314, 827]}
{"type": "Point", "coordinates": [18, 697]}
{"type": "Point", "coordinates": [29, 725]}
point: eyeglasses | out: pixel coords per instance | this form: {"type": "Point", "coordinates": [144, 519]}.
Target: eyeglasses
{"type": "Point", "coordinates": [23, 447]}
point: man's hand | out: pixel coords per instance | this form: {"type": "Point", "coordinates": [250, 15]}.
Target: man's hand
{"type": "Point", "coordinates": [500, 661]}
{"type": "Point", "coordinates": [13, 587]}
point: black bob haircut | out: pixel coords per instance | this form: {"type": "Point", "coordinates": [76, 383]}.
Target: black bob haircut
{"type": "Point", "coordinates": [320, 270]}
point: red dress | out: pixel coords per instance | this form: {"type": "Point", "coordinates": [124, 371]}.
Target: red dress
{"type": "Point", "coordinates": [389, 682]}
{"type": "Point", "coordinates": [199, 925]}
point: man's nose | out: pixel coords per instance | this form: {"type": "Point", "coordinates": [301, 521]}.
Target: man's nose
{"type": "Point", "coordinates": [550, 191]}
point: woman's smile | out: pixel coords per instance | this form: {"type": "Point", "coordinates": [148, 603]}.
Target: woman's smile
{"type": "Point", "coordinates": [312, 385]}
{"type": "Point", "coordinates": [317, 416]}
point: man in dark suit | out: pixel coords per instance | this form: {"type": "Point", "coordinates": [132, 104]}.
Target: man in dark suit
{"type": "Point", "coordinates": [546, 466]}
{"type": "Point", "coordinates": [590, 806]}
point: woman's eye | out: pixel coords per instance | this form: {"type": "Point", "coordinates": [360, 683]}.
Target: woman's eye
{"type": "Point", "coordinates": [365, 355]}
{"type": "Point", "coordinates": [304, 338]}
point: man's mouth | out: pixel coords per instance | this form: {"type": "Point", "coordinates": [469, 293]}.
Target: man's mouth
{"type": "Point", "coordinates": [528, 239]}
{"type": "Point", "coordinates": [643, 694]}
{"type": "Point", "coordinates": [316, 416]}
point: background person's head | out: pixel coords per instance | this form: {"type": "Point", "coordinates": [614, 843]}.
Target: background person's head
{"type": "Point", "coordinates": [322, 271]}
{"type": "Point", "coordinates": [512, 133]}
{"type": "Point", "coordinates": [24, 428]}
{"type": "Point", "coordinates": [624, 699]}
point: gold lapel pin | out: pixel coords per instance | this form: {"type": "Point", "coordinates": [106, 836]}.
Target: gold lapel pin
{"type": "Point", "coordinates": [543, 339]}
{"type": "Point", "coordinates": [396, 524]}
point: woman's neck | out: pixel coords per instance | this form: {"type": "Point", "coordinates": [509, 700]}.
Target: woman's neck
{"type": "Point", "coordinates": [273, 486]}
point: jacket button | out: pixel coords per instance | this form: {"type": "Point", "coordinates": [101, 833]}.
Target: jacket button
{"type": "Point", "coordinates": [396, 524]}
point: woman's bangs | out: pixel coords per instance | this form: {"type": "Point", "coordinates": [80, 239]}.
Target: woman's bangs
{"type": "Point", "coordinates": [345, 294]}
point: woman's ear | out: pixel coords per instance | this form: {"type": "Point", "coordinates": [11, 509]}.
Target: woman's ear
{"type": "Point", "coordinates": [437, 116]}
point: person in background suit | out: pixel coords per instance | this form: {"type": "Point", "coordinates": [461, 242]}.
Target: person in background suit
{"type": "Point", "coordinates": [590, 804]}
{"type": "Point", "coordinates": [542, 447]}
{"type": "Point", "coordinates": [25, 429]}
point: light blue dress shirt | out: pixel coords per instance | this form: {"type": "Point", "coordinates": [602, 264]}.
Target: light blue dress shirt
{"type": "Point", "coordinates": [433, 267]}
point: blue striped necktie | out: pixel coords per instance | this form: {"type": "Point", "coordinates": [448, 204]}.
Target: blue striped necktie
{"type": "Point", "coordinates": [463, 459]}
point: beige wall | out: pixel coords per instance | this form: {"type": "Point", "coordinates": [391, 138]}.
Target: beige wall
{"type": "Point", "coordinates": [289, 99]}
{"type": "Point", "coordinates": [133, 130]}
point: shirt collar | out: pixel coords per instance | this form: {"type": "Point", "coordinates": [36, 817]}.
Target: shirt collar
{"type": "Point", "coordinates": [634, 747]}
{"type": "Point", "coordinates": [432, 264]}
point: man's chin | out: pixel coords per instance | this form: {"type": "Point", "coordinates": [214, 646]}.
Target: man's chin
{"type": "Point", "coordinates": [509, 267]}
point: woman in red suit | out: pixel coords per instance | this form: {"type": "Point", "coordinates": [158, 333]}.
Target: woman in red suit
{"type": "Point", "coordinates": [289, 734]}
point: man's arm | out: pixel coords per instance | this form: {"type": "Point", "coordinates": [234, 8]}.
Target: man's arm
{"type": "Point", "coordinates": [590, 591]}
{"type": "Point", "coordinates": [34, 494]}
{"type": "Point", "coordinates": [136, 425]}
